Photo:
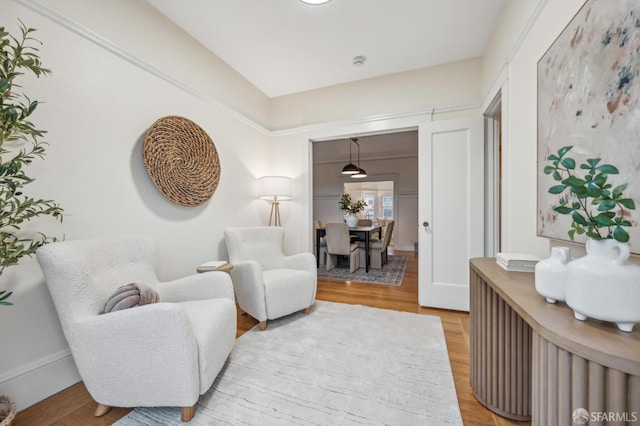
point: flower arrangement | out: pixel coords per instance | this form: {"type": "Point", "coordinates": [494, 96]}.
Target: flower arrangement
{"type": "Point", "coordinates": [346, 204]}
{"type": "Point", "coordinates": [20, 143]}
{"type": "Point", "coordinates": [597, 209]}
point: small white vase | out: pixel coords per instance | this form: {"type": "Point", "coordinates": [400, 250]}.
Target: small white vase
{"type": "Point", "coordinates": [551, 275]}
{"type": "Point", "coordinates": [604, 285]}
{"type": "Point", "coordinates": [352, 220]}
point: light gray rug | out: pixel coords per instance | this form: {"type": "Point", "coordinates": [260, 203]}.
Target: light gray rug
{"type": "Point", "coordinates": [339, 365]}
{"type": "Point", "coordinates": [391, 273]}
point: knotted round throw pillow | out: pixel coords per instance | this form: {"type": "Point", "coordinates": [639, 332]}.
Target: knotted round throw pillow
{"type": "Point", "coordinates": [128, 296]}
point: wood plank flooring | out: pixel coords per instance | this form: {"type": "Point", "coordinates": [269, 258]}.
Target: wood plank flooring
{"type": "Point", "coordinates": [74, 407]}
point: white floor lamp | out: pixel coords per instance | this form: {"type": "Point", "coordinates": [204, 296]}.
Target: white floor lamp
{"type": "Point", "coordinates": [275, 188]}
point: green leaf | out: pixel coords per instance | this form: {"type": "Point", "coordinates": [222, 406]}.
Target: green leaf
{"type": "Point", "coordinates": [572, 233]}
{"type": "Point", "coordinates": [557, 189]}
{"type": "Point", "coordinates": [606, 205]}
{"type": "Point", "coordinates": [562, 151]}
{"type": "Point", "coordinates": [563, 210]}
{"type": "Point", "coordinates": [620, 234]}
{"type": "Point", "coordinates": [579, 219]}
{"type": "Point", "coordinates": [548, 170]}
{"type": "Point", "coordinates": [569, 163]}
{"type": "Point", "coordinates": [617, 191]}
{"type": "Point", "coordinates": [628, 203]}
{"type": "Point", "coordinates": [574, 181]}
{"type": "Point", "coordinates": [608, 169]}
{"type": "Point", "coordinates": [604, 219]}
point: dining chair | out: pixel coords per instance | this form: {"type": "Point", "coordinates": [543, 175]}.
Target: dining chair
{"type": "Point", "coordinates": [378, 248]}
{"type": "Point", "coordinates": [321, 251]}
{"type": "Point", "coordinates": [339, 244]}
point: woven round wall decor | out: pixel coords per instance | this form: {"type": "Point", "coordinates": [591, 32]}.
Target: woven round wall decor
{"type": "Point", "coordinates": [181, 160]}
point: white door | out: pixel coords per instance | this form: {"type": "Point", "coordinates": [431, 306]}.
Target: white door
{"type": "Point", "coordinates": [451, 210]}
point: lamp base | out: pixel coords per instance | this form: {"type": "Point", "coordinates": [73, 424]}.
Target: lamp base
{"type": "Point", "coordinates": [275, 213]}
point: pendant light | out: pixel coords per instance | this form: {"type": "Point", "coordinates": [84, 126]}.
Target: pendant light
{"type": "Point", "coordinates": [361, 173]}
{"type": "Point", "coordinates": [350, 169]}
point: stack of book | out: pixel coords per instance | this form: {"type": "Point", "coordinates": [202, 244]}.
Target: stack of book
{"type": "Point", "coordinates": [518, 262]}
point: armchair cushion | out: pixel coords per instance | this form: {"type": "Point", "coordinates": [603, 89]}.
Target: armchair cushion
{"type": "Point", "coordinates": [128, 296]}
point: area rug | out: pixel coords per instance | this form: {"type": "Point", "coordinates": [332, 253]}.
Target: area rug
{"type": "Point", "coordinates": [391, 273]}
{"type": "Point", "coordinates": [338, 365]}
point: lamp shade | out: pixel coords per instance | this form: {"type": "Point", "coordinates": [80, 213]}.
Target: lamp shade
{"type": "Point", "coordinates": [275, 186]}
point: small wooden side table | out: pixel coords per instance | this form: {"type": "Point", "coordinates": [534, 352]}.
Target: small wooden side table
{"type": "Point", "coordinates": [215, 265]}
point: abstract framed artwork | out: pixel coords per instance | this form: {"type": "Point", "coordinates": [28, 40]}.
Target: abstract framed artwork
{"type": "Point", "coordinates": [589, 98]}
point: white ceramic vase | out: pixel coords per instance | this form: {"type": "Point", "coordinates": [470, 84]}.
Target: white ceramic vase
{"type": "Point", "coordinates": [551, 275]}
{"type": "Point", "coordinates": [352, 220]}
{"type": "Point", "coordinates": [604, 285]}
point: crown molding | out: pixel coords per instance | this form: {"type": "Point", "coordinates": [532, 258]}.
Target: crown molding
{"type": "Point", "coordinates": [42, 9]}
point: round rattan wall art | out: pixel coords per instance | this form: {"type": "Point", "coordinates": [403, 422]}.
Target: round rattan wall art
{"type": "Point", "coordinates": [181, 160]}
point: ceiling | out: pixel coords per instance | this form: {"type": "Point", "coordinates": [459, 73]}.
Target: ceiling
{"type": "Point", "coordinates": [286, 46]}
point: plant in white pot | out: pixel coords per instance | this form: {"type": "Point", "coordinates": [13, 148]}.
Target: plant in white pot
{"type": "Point", "coordinates": [603, 284]}
{"type": "Point", "coordinates": [20, 143]}
{"type": "Point", "coordinates": [350, 208]}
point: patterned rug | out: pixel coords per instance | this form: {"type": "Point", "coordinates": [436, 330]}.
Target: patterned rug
{"type": "Point", "coordinates": [391, 273]}
{"type": "Point", "coordinates": [339, 365]}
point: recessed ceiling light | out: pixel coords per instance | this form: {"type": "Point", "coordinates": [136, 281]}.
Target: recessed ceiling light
{"type": "Point", "coordinates": [315, 1]}
{"type": "Point", "coordinates": [359, 61]}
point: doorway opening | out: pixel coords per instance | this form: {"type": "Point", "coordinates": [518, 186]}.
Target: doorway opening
{"type": "Point", "coordinates": [379, 197]}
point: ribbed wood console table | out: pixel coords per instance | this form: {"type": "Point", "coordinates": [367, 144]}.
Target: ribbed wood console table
{"type": "Point", "coordinates": [534, 360]}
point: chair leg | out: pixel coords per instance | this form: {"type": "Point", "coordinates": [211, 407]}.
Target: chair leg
{"type": "Point", "coordinates": [101, 410]}
{"type": "Point", "coordinates": [187, 413]}
{"type": "Point", "coordinates": [307, 310]}
{"type": "Point", "coordinates": [263, 325]}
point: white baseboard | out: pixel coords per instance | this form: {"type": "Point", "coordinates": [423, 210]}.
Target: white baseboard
{"type": "Point", "coordinates": [38, 380]}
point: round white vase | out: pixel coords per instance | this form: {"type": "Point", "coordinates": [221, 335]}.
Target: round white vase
{"type": "Point", "coordinates": [352, 220]}
{"type": "Point", "coordinates": [604, 285]}
{"type": "Point", "coordinates": [551, 275]}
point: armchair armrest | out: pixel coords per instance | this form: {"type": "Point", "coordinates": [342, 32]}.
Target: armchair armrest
{"type": "Point", "coordinates": [249, 288]}
{"type": "Point", "coordinates": [209, 285]}
{"type": "Point", "coordinates": [302, 261]}
{"type": "Point", "coordinates": [119, 355]}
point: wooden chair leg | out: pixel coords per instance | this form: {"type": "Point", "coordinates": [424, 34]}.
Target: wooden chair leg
{"type": "Point", "coordinates": [307, 310]}
{"type": "Point", "coordinates": [101, 410]}
{"type": "Point", "coordinates": [263, 325]}
{"type": "Point", "coordinates": [187, 413]}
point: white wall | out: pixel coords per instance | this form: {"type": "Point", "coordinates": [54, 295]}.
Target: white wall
{"type": "Point", "coordinates": [452, 86]}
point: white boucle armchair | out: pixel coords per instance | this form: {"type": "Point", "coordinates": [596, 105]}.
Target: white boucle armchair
{"type": "Point", "coordinates": [269, 284]}
{"type": "Point", "coordinates": [159, 354]}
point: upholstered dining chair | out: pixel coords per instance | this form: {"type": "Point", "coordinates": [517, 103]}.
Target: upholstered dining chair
{"type": "Point", "coordinates": [339, 243]}
{"type": "Point", "coordinates": [378, 247]}
{"type": "Point", "coordinates": [268, 283]}
{"type": "Point", "coordinates": [131, 354]}
{"type": "Point", "coordinates": [322, 249]}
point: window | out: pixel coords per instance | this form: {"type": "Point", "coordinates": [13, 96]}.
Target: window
{"type": "Point", "coordinates": [387, 207]}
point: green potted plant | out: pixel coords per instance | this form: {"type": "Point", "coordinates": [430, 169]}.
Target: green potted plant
{"type": "Point", "coordinates": [602, 284]}
{"type": "Point", "coordinates": [597, 209]}
{"type": "Point", "coordinates": [350, 208]}
{"type": "Point", "coordinates": [20, 143]}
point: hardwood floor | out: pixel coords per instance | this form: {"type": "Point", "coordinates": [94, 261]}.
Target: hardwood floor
{"type": "Point", "coordinates": [73, 406]}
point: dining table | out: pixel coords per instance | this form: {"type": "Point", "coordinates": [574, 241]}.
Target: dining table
{"type": "Point", "coordinates": [363, 233]}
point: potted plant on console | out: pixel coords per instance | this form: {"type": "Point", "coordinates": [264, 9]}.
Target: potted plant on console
{"type": "Point", "coordinates": [350, 209]}
{"type": "Point", "coordinates": [603, 284]}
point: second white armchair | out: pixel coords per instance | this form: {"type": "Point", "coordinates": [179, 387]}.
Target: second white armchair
{"type": "Point", "coordinates": [269, 284]}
